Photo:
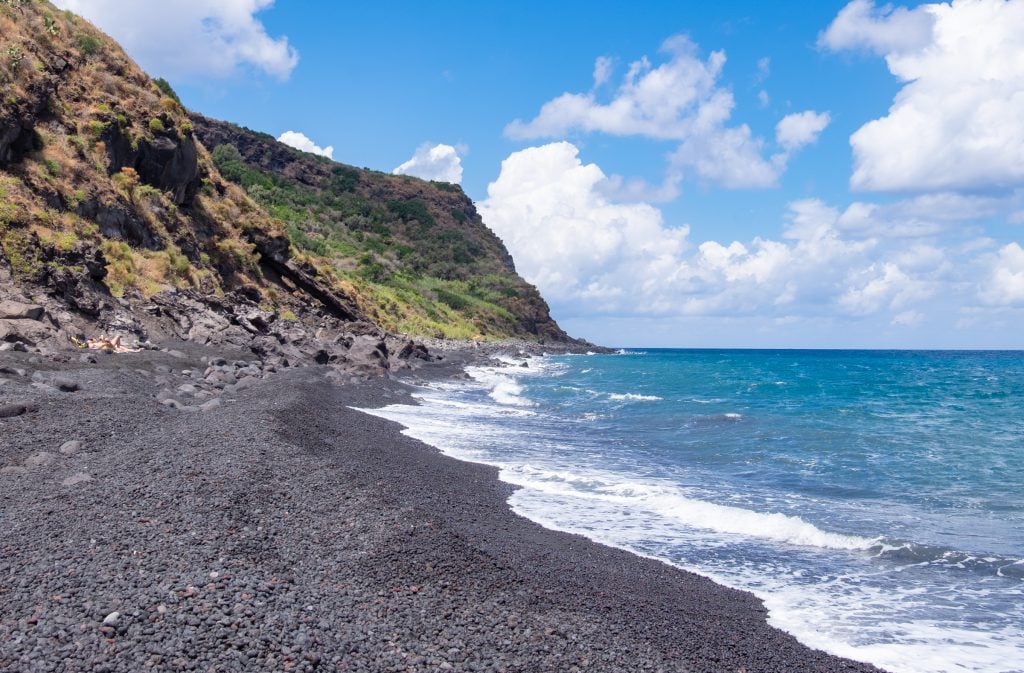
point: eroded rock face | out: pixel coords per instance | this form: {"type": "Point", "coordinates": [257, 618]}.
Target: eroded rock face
{"type": "Point", "coordinates": [120, 222]}
{"type": "Point", "coordinates": [17, 125]}
{"type": "Point", "coordinates": [16, 140]}
{"type": "Point", "coordinates": [169, 163]}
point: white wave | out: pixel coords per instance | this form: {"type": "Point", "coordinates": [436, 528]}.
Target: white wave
{"type": "Point", "coordinates": [672, 504]}
{"type": "Point", "coordinates": [503, 388]}
{"type": "Point", "coordinates": [732, 416]}
{"type": "Point", "coordinates": [837, 607]}
{"type": "Point", "coordinates": [633, 397]}
{"type": "Point", "coordinates": [839, 611]}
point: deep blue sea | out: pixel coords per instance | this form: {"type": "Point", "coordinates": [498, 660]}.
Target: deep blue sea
{"type": "Point", "coordinates": [873, 499]}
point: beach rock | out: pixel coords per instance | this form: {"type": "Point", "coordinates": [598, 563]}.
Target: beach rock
{"type": "Point", "coordinates": [211, 404]}
{"type": "Point", "coordinates": [70, 448]}
{"type": "Point", "coordinates": [87, 358]}
{"type": "Point", "coordinates": [413, 350]}
{"type": "Point", "coordinates": [29, 332]}
{"type": "Point", "coordinates": [13, 371]}
{"type": "Point", "coordinates": [368, 351]}
{"type": "Point", "coordinates": [177, 354]}
{"type": "Point", "coordinates": [40, 459]}
{"type": "Point", "coordinates": [247, 382]}
{"type": "Point", "coordinates": [175, 404]}
{"type": "Point", "coordinates": [65, 385]}
{"type": "Point", "coordinates": [112, 618]}
{"type": "Point", "coordinates": [77, 478]}
{"type": "Point", "coordinates": [13, 409]}
{"type": "Point", "coordinates": [12, 471]}
{"type": "Point", "coordinates": [187, 388]}
{"type": "Point", "coordinates": [16, 310]}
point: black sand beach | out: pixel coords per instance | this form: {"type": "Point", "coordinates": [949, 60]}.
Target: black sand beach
{"type": "Point", "coordinates": [281, 530]}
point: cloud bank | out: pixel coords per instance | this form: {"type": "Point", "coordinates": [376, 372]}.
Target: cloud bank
{"type": "Point", "coordinates": [955, 124]}
{"type": "Point", "coordinates": [301, 142]}
{"type": "Point", "coordinates": [592, 256]}
{"type": "Point", "coordinates": [434, 162]}
{"type": "Point", "coordinates": [192, 39]}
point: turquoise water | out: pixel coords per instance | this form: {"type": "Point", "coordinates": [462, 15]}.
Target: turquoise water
{"type": "Point", "coordinates": [874, 500]}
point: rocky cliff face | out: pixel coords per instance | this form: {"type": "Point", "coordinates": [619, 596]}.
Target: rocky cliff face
{"type": "Point", "coordinates": [115, 218]}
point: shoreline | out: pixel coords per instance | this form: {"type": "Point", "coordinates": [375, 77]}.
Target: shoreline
{"type": "Point", "coordinates": [283, 530]}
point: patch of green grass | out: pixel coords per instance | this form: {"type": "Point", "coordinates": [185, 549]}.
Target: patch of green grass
{"type": "Point", "coordinates": [89, 45]}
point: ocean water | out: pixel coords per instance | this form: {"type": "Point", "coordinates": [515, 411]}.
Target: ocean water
{"type": "Point", "coordinates": [873, 500]}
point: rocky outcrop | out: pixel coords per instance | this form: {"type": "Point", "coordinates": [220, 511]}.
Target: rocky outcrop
{"type": "Point", "coordinates": [167, 162]}
{"type": "Point", "coordinates": [17, 123]}
{"type": "Point", "coordinates": [16, 310]}
{"type": "Point", "coordinates": [275, 252]}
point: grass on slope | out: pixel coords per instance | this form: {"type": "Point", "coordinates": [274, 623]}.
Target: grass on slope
{"type": "Point", "coordinates": [404, 283]}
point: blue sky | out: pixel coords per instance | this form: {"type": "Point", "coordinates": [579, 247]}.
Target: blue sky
{"type": "Point", "coordinates": [786, 174]}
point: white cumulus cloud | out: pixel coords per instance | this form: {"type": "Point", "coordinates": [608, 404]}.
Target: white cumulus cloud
{"type": "Point", "coordinates": [191, 39]}
{"type": "Point", "coordinates": [590, 254]}
{"type": "Point", "coordinates": [434, 162]}
{"type": "Point", "coordinates": [800, 129]}
{"type": "Point", "coordinates": [884, 30]}
{"type": "Point", "coordinates": [955, 124]}
{"type": "Point", "coordinates": [301, 142]}
{"type": "Point", "coordinates": [569, 239]}
{"type": "Point", "coordinates": [680, 100]}
{"type": "Point", "coordinates": [1005, 283]}
{"type": "Point", "coordinates": [870, 267]}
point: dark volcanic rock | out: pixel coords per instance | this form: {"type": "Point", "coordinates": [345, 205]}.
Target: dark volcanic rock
{"type": "Point", "coordinates": [168, 163]}
{"type": "Point", "coordinates": [121, 221]}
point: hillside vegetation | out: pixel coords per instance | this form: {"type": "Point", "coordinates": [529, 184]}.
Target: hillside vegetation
{"type": "Point", "coordinates": [416, 253]}
{"type": "Point", "coordinates": [112, 205]}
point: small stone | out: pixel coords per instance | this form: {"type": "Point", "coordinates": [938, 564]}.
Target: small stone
{"type": "Point", "coordinates": [247, 382]}
{"type": "Point", "coordinates": [77, 478]}
{"type": "Point", "coordinates": [211, 404]}
{"type": "Point", "coordinates": [177, 354]}
{"type": "Point", "coordinates": [12, 371]}
{"type": "Point", "coordinates": [12, 470]}
{"type": "Point", "coordinates": [112, 618]}
{"type": "Point", "coordinates": [70, 448]}
{"type": "Point", "coordinates": [65, 384]}
{"type": "Point", "coordinates": [14, 409]}
{"type": "Point", "coordinates": [187, 388]}
{"type": "Point", "coordinates": [40, 459]}
{"type": "Point", "coordinates": [87, 358]}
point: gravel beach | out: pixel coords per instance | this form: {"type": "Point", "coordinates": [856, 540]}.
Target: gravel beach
{"type": "Point", "coordinates": [150, 520]}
